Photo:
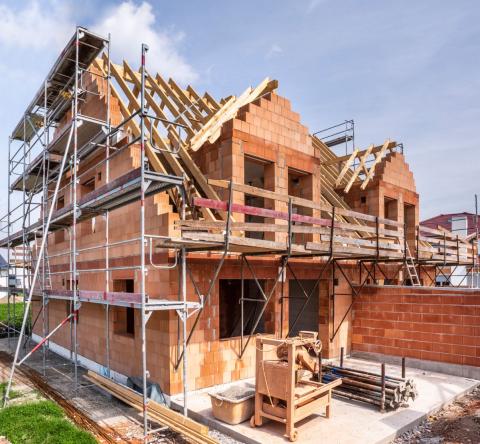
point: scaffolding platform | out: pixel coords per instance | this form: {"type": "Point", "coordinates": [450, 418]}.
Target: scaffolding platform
{"type": "Point", "coordinates": [118, 299]}
{"type": "Point", "coordinates": [79, 53]}
{"type": "Point", "coordinates": [121, 191]}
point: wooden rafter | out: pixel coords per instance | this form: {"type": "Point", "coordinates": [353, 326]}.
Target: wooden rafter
{"type": "Point", "coordinates": [378, 158]}
{"type": "Point", "coordinates": [165, 161]}
{"type": "Point", "coordinates": [358, 169]}
{"type": "Point", "coordinates": [211, 130]}
{"type": "Point", "coordinates": [353, 173]}
{"type": "Point", "coordinates": [346, 167]}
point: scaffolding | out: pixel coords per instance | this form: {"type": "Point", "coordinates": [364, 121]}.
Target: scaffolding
{"type": "Point", "coordinates": [52, 147]}
{"type": "Point", "coordinates": [54, 138]}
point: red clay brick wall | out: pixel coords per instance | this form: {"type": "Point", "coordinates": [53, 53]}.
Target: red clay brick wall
{"type": "Point", "coordinates": [423, 323]}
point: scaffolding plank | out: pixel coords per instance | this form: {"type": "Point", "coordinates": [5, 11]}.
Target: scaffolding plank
{"type": "Point", "coordinates": [299, 201]}
{"type": "Point", "coordinates": [262, 212]}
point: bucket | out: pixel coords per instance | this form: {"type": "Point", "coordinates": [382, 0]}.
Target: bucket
{"type": "Point", "coordinates": [234, 404]}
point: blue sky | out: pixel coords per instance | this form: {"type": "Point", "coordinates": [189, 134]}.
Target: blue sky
{"type": "Point", "coordinates": [406, 70]}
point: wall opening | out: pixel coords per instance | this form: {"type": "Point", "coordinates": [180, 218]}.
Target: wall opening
{"type": "Point", "coordinates": [309, 320]}
{"type": "Point", "coordinates": [409, 220]}
{"type": "Point", "coordinates": [230, 291]}
{"type": "Point", "coordinates": [60, 202]}
{"type": "Point", "coordinates": [88, 226]}
{"type": "Point", "coordinates": [59, 235]}
{"type": "Point", "coordinates": [87, 186]}
{"type": "Point", "coordinates": [300, 184]}
{"type": "Point", "coordinates": [257, 174]}
{"type": "Point", "coordinates": [124, 317]}
{"type": "Point", "coordinates": [390, 211]}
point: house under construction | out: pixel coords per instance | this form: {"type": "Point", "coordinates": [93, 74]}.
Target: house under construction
{"type": "Point", "coordinates": [161, 228]}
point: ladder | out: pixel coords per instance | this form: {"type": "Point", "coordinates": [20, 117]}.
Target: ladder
{"type": "Point", "coordinates": [411, 268]}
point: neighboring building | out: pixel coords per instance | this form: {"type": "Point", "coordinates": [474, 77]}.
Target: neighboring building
{"type": "Point", "coordinates": [465, 225]}
{"type": "Point", "coordinates": [10, 276]}
{"type": "Point", "coordinates": [461, 223]}
{"type": "Point", "coordinates": [3, 278]}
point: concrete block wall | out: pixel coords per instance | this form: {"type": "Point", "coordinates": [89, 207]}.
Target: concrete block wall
{"type": "Point", "coordinates": [434, 324]}
{"type": "Point", "coordinates": [393, 181]}
{"type": "Point", "coordinates": [267, 130]}
{"type": "Point", "coordinates": [270, 131]}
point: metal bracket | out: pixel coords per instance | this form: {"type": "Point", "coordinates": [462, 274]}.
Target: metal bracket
{"type": "Point", "coordinates": [148, 314]}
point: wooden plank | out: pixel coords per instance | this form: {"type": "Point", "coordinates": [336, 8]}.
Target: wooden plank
{"type": "Point", "coordinates": [117, 73]}
{"type": "Point", "coordinates": [182, 109]}
{"type": "Point", "coordinates": [339, 244]}
{"type": "Point", "coordinates": [202, 102]}
{"type": "Point", "coordinates": [436, 241]}
{"type": "Point", "coordinates": [194, 431]}
{"type": "Point", "coordinates": [211, 101]}
{"type": "Point", "coordinates": [306, 203]}
{"type": "Point", "coordinates": [186, 102]}
{"type": "Point", "coordinates": [272, 228]}
{"type": "Point", "coordinates": [256, 211]}
{"type": "Point", "coordinates": [364, 242]}
{"type": "Point", "coordinates": [179, 118]}
{"type": "Point", "coordinates": [337, 159]}
{"type": "Point", "coordinates": [378, 158]}
{"type": "Point", "coordinates": [256, 244]}
{"type": "Point", "coordinates": [352, 250]}
{"type": "Point", "coordinates": [159, 113]}
{"type": "Point", "coordinates": [211, 130]}
{"type": "Point", "coordinates": [442, 233]}
{"type": "Point", "coordinates": [191, 170]}
{"type": "Point", "coordinates": [260, 226]}
{"type": "Point", "coordinates": [359, 168]}
{"type": "Point", "coordinates": [346, 167]}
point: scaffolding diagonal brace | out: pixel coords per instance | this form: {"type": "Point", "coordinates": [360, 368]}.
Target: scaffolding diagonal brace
{"type": "Point", "coordinates": [37, 266]}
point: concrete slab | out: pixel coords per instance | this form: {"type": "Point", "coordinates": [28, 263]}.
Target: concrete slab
{"type": "Point", "coordinates": [351, 422]}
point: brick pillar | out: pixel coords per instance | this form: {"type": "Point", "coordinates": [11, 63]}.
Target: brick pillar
{"type": "Point", "coordinates": [281, 186]}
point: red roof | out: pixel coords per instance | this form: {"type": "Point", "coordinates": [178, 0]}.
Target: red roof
{"type": "Point", "coordinates": [445, 221]}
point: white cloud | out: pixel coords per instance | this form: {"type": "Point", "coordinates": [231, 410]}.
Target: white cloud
{"type": "Point", "coordinates": [45, 26]}
{"type": "Point", "coordinates": [312, 5]}
{"type": "Point", "coordinates": [36, 26]}
{"type": "Point", "coordinates": [131, 25]}
{"type": "Point", "coordinates": [274, 50]}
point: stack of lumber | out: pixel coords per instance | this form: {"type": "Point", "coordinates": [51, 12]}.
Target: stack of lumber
{"type": "Point", "coordinates": [191, 430]}
{"type": "Point", "coordinates": [364, 386]}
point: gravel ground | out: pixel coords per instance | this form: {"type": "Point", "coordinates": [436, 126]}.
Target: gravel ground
{"type": "Point", "coordinates": [124, 422]}
{"type": "Point", "coordinates": [458, 423]}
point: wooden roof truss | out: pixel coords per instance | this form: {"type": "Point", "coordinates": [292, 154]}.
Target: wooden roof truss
{"type": "Point", "coordinates": [183, 121]}
{"type": "Point", "coordinates": [359, 166]}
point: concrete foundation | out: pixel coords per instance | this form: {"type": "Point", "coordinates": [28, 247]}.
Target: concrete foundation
{"type": "Point", "coordinates": [351, 422]}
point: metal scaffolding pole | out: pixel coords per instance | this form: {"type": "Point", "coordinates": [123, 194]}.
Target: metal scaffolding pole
{"type": "Point", "coordinates": [44, 207]}
{"type": "Point", "coordinates": [107, 218]}
{"type": "Point", "coordinates": [75, 209]}
{"type": "Point", "coordinates": [35, 274]}
{"type": "Point", "coordinates": [8, 244]}
{"type": "Point", "coordinates": [142, 241]}
{"type": "Point", "coordinates": [24, 243]}
{"type": "Point", "coordinates": [184, 314]}
{"type": "Point", "coordinates": [9, 293]}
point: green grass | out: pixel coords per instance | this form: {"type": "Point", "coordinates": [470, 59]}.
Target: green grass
{"type": "Point", "coordinates": [40, 423]}
{"type": "Point", "coordinates": [15, 321]}
{"type": "Point", "coordinates": [12, 395]}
